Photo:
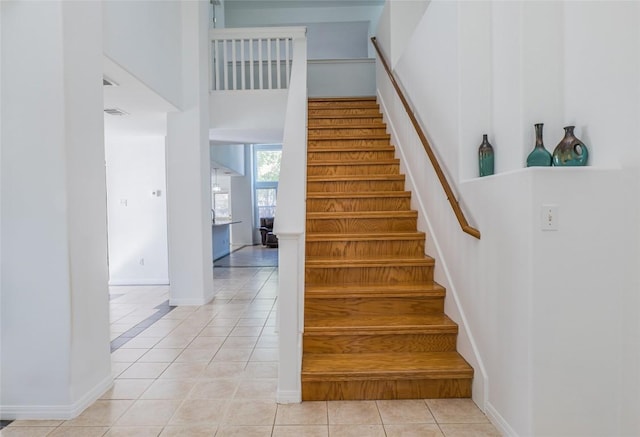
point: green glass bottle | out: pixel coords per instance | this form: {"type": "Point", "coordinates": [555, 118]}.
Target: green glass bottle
{"type": "Point", "coordinates": [485, 157]}
{"type": "Point", "coordinates": [539, 157]}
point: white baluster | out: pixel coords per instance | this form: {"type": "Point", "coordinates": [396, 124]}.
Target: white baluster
{"type": "Point", "coordinates": [269, 62]}
{"type": "Point", "coordinates": [251, 78]}
{"type": "Point", "coordinates": [234, 67]}
{"type": "Point", "coordinates": [287, 63]}
{"type": "Point", "coordinates": [260, 62]}
{"type": "Point", "coordinates": [278, 67]}
{"type": "Point", "coordinates": [225, 67]}
{"type": "Point", "coordinates": [242, 67]}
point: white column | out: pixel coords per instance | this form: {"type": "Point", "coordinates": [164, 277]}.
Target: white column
{"type": "Point", "coordinates": [188, 169]}
{"type": "Point", "coordinates": [54, 322]}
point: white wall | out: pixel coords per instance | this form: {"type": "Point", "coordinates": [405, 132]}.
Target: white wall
{"type": "Point", "coordinates": [352, 77]}
{"type": "Point", "coordinates": [54, 302]}
{"type": "Point", "coordinates": [230, 156]}
{"type": "Point", "coordinates": [545, 340]}
{"type": "Point", "coordinates": [144, 37]}
{"type": "Point", "coordinates": [251, 14]}
{"type": "Point", "coordinates": [137, 218]}
{"type": "Point", "coordinates": [242, 204]}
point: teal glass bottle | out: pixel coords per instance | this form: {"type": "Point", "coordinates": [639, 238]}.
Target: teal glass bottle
{"type": "Point", "coordinates": [485, 157]}
{"type": "Point", "coordinates": [539, 157]}
{"type": "Point", "coordinates": [570, 152]}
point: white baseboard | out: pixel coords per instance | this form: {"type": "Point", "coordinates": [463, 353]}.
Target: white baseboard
{"type": "Point", "coordinates": [56, 412]}
{"type": "Point", "coordinates": [288, 397]}
{"type": "Point", "coordinates": [499, 422]}
{"type": "Point", "coordinates": [151, 281]}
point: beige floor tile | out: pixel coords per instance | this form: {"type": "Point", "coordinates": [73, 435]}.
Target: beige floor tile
{"type": "Point", "coordinates": [127, 388]}
{"type": "Point", "coordinates": [158, 355]}
{"type": "Point", "coordinates": [168, 389]}
{"type": "Point", "coordinates": [226, 355]}
{"type": "Point", "coordinates": [250, 412]}
{"type": "Point", "coordinates": [183, 370]}
{"type": "Point", "coordinates": [223, 370]}
{"type": "Point", "coordinates": [244, 431]}
{"type": "Point", "coordinates": [149, 413]}
{"type": "Point", "coordinates": [201, 411]}
{"type": "Point", "coordinates": [140, 343]}
{"type": "Point", "coordinates": [216, 331]}
{"type": "Point", "coordinates": [353, 413]}
{"type": "Point", "coordinates": [79, 431]}
{"type": "Point", "coordinates": [127, 355]}
{"type": "Point", "coordinates": [246, 331]}
{"type": "Point", "coordinates": [214, 389]}
{"type": "Point", "coordinates": [300, 430]}
{"type": "Point", "coordinates": [469, 430]}
{"type": "Point", "coordinates": [305, 413]}
{"type": "Point", "coordinates": [266, 354]}
{"type": "Point", "coordinates": [156, 331]}
{"type": "Point", "coordinates": [257, 389]}
{"type": "Point", "coordinates": [456, 411]}
{"type": "Point", "coordinates": [267, 341]}
{"type": "Point", "coordinates": [257, 370]}
{"type": "Point", "coordinates": [26, 431]}
{"type": "Point", "coordinates": [413, 430]}
{"type": "Point", "coordinates": [404, 411]}
{"type": "Point", "coordinates": [134, 431]}
{"type": "Point", "coordinates": [196, 355]}
{"type": "Point", "coordinates": [356, 431]}
{"type": "Point", "coordinates": [118, 368]}
{"type": "Point", "coordinates": [189, 431]}
{"type": "Point", "coordinates": [221, 321]}
{"type": "Point", "coordinates": [101, 413]}
{"type": "Point", "coordinates": [174, 342]}
{"type": "Point", "coordinates": [206, 343]}
{"type": "Point", "coordinates": [144, 370]}
{"type": "Point", "coordinates": [252, 322]}
{"type": "Point", "coordinates": [240, 342]}
{"type": "Point", "coordinates": [48, 423]}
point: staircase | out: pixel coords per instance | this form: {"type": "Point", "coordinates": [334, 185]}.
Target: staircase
{"type": "Point", "coordinates": [375, 326]}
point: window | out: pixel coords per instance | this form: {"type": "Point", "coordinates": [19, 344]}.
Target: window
{"type": "Point", "coordinates": [266, 172]}
{"type": "Point", "coordinates": [220, 205]}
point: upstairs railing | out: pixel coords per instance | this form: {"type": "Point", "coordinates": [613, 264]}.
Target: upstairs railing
{"type": "Point", "coordinates": [462, 220]}
{"type": "Point", "coordinates": [252, 58]}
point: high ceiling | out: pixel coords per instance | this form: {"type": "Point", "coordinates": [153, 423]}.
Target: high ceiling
{"type": "Point", "coordinates": [299, 3]}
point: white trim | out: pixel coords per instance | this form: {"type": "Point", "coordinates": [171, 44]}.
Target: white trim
{"type": "Point", "coordinates": [451, 289]}
{"type": "Point", "coordinates": [151, 281]}
{"type": "Point", "coordinates": [59, 412]}
{"type": "Point", "coordinates": [257, 32]}
{"type": "Point", "coordinates": [499, 422]}
{"type": "Point", "coordinates": [289, 396]}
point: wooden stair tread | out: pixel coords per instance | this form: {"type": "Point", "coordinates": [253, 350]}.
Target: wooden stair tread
{"type": "Point", "coordinates": [342, 99]}
{"type": "Point", "coordinates": [357, 195]}
{"type": "Point", "coordinates": [361, 214]}
{"type": "Point", "coordinates": [380, 125]}
{"type": "Point", "coordinates": [386, 148]}
{"type": "Point", "coordinates": [396, 365]}
{"type": "Point", "coordinates": [350, 137]}
{"type": "Point", "coordinates": [356, 177]}
{"type": "Point", "coordinates": [361, 236]}
{"type": "Point", "coordinates": [314, 163]}
{"type": "Point", "coordinates": [319, 262]}
{"type": "Point", "coordinates": [343, 116]}
{"type": "Point", "coordinates": [321, 291]}
{"type": "Point", "coordinates": [419, 323]}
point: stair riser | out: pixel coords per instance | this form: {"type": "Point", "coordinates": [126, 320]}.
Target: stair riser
{"type": "Point", "coordinates": [350, 225]}
{"type": "Point", "coordinates": [365, 144]}
{"type": "Point", "coordinates": [372, 306]}
{"type": "Point", "coordinates": [346, 132]}
{"type": "Point", "coordinates": [342, 112]}
{"type": "Point", "coordinates": [344, 121]}
{"type": "Point", "coordinates": [356, 344]}
{"type": "Point", "coordinates": [387, 389]}
{"type": "Point", "coordinates": [352, 170]}
{"type": "Point", "coordinates": [356, 205]}
{"type": "Point", "coordinates": [337, 155]}
{"type": "Point", "coordinates": [354, 186]}
{"type": "Point", "coordinates": [359, 249]}
{"type": "Point", "coordinates": [368, 104]}
{"type": "Point", "coordinates": [375, 275]}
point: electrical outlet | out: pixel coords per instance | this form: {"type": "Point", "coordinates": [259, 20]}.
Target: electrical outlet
{"type": "Point", "coordinates": [549, 217]}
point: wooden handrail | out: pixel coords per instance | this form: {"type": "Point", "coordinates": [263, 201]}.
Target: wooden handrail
{"type": "Point", "coordinates": [427, 148]}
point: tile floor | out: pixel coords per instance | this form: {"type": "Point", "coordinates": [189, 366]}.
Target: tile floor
{"type": "Point", "coordinates": [211, 371]}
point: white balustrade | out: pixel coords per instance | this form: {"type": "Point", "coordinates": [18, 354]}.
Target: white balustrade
{"type": "Point", "coordinates": [252, 58]}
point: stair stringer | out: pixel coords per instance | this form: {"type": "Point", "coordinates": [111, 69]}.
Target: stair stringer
{"type": "Point", "coordinates": [467, 345]}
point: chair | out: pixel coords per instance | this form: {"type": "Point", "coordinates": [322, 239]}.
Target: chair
{"type": "Point", "coordinates": [266, 231]}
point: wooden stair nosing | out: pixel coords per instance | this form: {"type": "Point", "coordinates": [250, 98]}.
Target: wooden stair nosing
{"type": "Point", "coordinates": [314, 215]}
{"type": "Point", "coordinates": [321, 127]}
{"type": "Point", "coordinates": [352, 163]}
{"type": "Point", "coordinates": [392, 366]}
{"type": "Point", "coordinates": [377, 116]}
{"type": "Point", "coordinates": [356, 178]}
{"type": "Point", "coordinates": [358, 195]}
{"type": "Point", "coordinates": [332, 263]}
{"type": "Point", "coordinates": [322, 291]}
{"type": "Point", "coordinates": [349, 137]}
{"type": "Point", "coordinates": [342, 99]}
{"type": "Point", "coordinates": [352, 149]}
{"type": "Point", "coordinates": [372, 236]}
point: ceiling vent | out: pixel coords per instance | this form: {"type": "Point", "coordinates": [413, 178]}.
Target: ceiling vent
{"type": "Point", "coordinates": [115, 111]}
{"type": "Point", "coordinates": [108, 82]}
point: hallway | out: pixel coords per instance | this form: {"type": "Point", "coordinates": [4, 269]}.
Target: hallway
{"type": "Point", "coordinates": [211, 371]}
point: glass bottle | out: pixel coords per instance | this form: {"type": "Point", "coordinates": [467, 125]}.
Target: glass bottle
{"type": "Point", "coordinates": [539, 156]}
{"type": "Point", "coordinates": [485, 157]}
